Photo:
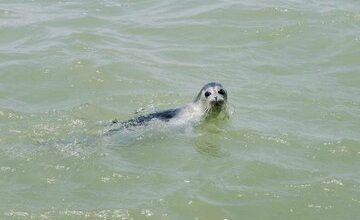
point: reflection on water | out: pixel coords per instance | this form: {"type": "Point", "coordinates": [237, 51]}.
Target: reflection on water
{"type": "Point", "coordinates": [206, 147]}
{"type": "Point", "coordinates": [210, 136]}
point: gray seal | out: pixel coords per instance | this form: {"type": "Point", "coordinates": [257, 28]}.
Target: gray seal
{"type": "Point", "coordinates": [209, 103]}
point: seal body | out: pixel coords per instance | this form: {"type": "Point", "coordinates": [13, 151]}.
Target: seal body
{"type": "Point", "coordinates": [161, 115]}
{"type": "Point", "coordinates": [209, 103]}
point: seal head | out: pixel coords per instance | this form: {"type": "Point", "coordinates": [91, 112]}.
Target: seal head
{"type": "Point", "coordinates": [212, 98]}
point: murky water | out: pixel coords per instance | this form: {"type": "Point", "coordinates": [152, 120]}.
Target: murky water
{"type": "Point", "coordinates": [289, 151]}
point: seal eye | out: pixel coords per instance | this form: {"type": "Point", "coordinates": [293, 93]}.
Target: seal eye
{"type": "Point", "coordinates": [207, 94]}
{"type": "Point", "coordinates": [221, 92]}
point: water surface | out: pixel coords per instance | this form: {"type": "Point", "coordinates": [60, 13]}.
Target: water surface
{"type": "Point", "coordinates": [289, 151]}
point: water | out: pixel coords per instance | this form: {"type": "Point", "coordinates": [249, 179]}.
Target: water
{"type": "Point", "coordinates": [289, 151]}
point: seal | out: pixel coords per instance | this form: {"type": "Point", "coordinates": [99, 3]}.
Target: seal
{"type": "Point", "coordinates": [210, 102]}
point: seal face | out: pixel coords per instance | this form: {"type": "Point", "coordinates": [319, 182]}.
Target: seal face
{"type": "Point", "coordinates": [209, 103]}
{"type": "Point", "coordinates": [213, 98]}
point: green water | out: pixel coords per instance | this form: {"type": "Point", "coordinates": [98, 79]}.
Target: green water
{"type": "Point", "coordinates": [291, 149]}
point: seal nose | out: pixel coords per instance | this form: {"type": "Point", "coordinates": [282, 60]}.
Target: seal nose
{"type": "Point", "coordinates": [217, 102]}
{"type": "Point", "coordinates": [215, 98]}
